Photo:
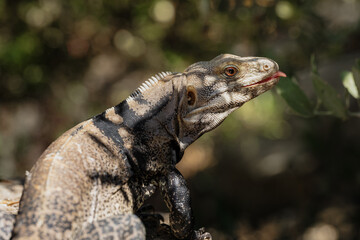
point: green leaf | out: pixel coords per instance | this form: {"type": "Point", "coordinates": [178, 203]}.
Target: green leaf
{"type": "Point", "coordinates": [314, 68]}
{"type": "Point", "coordinates": [294, 96]}
{"type": "Point", "coordinates": [349, 84]}
{"type": "Point", "coordinates": [356, 74]}
{"type": "Point", "coordinates": [329, 97]}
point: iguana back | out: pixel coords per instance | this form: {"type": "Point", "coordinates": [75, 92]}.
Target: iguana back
{"type": "Point", "coordinates": [75, 180]}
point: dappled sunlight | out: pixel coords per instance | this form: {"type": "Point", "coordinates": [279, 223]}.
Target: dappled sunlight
{"type": "Point", "coordinates": [164, 11]}
{"type": "Point", "coordinates": [125, 41]}
{"type": "Point", "coordinates": [42, 14]}
{"type": "Point", "coordinates": [284, 9]}
{"type": "Point", "coordinates": [321, 231]}
{"type": "Point", "coordinates": [272, 164]}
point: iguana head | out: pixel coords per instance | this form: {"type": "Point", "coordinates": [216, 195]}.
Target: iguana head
{"type": "Point", "coordinates": [215, 88]}
{"type": "Point", "coordinates": [183, 106]}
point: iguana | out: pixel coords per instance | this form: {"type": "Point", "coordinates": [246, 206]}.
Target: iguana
{"type": "Point", "coordinates": [89, 182]}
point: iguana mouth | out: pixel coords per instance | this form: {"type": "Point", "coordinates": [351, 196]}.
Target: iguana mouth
{"type": "Point", "coordinates": [276, 75]}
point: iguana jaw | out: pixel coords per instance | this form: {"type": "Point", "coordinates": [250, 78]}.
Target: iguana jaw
{"type": "Point", "coordinates": [275, 77]}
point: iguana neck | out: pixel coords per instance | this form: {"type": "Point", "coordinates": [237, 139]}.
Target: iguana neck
{"type": "Point", "coordinates": [147, 126]}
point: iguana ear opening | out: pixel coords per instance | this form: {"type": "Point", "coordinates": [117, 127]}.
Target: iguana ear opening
{"type": "Point", "coordinates": [191, 95]}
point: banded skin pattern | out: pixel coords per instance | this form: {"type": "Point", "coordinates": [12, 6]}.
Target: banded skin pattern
{"type": "Point", "coordinates": [92, 180]}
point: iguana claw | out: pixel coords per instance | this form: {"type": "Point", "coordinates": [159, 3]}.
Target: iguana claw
{"type": "Point", "coordinates": [202, 235]}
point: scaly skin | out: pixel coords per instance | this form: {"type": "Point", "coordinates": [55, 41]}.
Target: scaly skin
{"type": "Point", "coordinates": [91, 181]}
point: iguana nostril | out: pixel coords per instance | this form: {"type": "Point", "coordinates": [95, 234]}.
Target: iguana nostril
{"type": "Point", "coordinates": [266, 67]}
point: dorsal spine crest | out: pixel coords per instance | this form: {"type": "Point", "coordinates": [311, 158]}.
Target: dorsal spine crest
{"type": "Point", "coordinates": [148, 84]}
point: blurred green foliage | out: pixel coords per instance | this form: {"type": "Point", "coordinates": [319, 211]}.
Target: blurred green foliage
{"type": "Point", "coordinates": [295, 97]}
{"type": "Point", "coordinates": [264, 173]}
{"type": "Point", "coordinates": [326, 94]}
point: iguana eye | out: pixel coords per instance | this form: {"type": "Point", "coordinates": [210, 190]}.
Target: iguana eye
{"type": "Point", "coordinates": [230, 71]}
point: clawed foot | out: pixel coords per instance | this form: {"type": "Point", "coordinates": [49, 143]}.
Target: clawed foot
{"type": "Point", "coordinates": [202, 235]}
{"type": "Point", "coordinates": [157, 230]}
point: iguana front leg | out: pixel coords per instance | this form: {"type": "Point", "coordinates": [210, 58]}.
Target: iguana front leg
{"type": "Point", "coordinates": [177, 198]}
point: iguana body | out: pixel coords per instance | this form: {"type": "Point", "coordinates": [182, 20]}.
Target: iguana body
{"type": "Point", "coordinates": [91, 181]}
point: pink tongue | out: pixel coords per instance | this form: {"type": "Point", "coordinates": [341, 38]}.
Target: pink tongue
{"type": "Point", "coordinates": [279, 74]}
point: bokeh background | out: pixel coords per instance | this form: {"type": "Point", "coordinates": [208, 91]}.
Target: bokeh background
{"type": "Point", "coordinates": [265, 173]}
